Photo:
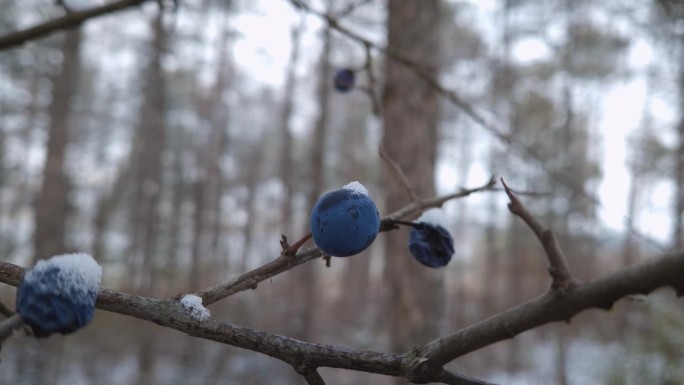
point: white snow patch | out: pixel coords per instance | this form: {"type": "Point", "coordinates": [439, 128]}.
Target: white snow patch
{"type": "Point", "coordinates": [193, 304]}
{"type": "Point", "coordinates": [434, 216]}
{"type": "Point", "coordinates": [356, 187]}
{"type": "Point", "coordinates": [78, 273]}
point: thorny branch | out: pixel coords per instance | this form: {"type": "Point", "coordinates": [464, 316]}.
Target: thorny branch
{"type": "Point", "coordinates": [424, 363]}
{"type": "Point", "coordinates": [284, 262]}
{"type": "Point", "coordinates": [558, 266]}
{"type": "Point", "coordinates": [399, 173]}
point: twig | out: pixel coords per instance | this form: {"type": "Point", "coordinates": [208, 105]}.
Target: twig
{"type": "Point", "coordinates": [8, 326]}
{"type": "Point", "coordinates": [283, 263]}
{"type": "Point", "coordinates": [400, 174]}
{"type": "Point", "coordinates": [291, 250]}
{"type": "Point", "coordinates": [603, 292]}
{"type": "Point", "coordinates": [312, 376]}
{"type": "Point", "coordinates": [371, 88]}
{"type": "Point", "coordinates": [413, 209]}
{"type": "Point", "coordinates": [70, 20]}
{"type": "Point", "coordinates": [558, 267]}
{"type": "Point", "coordinates": [6, 310]}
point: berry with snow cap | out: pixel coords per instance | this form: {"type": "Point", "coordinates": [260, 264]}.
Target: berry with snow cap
{"type": "Point", "coordinates": [429, 241]}
{"type": "Point", "coordinates": [58, 295]}
{"type": "Point", "coordinates": [345, 222]}
{"type": "Point", "coordinates": [344, 80]}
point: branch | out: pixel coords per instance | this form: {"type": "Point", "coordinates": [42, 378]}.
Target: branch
{"type": "Point", "coordinates": [300, 354]}
{"type": "Point", "coordinates": [423, 364]}
{"type": "Point", "coordinates": [417, 207]}
{"type": "Point", "coordinates": [602, 293]}
{"type": "Point", "coordinates": [6, 310]}
{"type": "Point", "coordinates": [70, 20]}
{"type": "Point", "coordinates": [312, 376]}
{"type": "Point", "coordinates": [286, 261]}
{"type": "Point", "coordinates": [558, 266]}
{"type": "Point", "coordinates": [8, 326]}
{"type": "Point", "coordinates": [399, 173]}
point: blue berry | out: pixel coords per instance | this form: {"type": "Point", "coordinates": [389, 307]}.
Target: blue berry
{"type": "Point", "coordinates": [344, 80]}
{"type": "Point", "coordinates": [345, 222]}
{"type": "Point", "coordinates": [58, 295]}
{"type": "Point", "coordinates": [430, 242]}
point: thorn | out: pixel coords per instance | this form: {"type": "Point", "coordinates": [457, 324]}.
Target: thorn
{"type": "Point", "coordinates": [291, 250]}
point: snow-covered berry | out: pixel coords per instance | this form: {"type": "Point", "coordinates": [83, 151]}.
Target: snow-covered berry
{"type": "Point", "coordinates": [58, 295]}
{"type": "Point", "coordinates": [344, 80]}
{"type": "Point", "coordinates": [344, 222]}
{"type": "Point", "coordinates": [429, 241]}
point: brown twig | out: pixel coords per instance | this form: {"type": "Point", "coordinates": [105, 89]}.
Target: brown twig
{"type": "Point", "coordinates": [8, 326]}
{"type": "Point", "coordinates": [6, 310]}
{"type": "Point", "coordinates": [283, 263]}
{"type": "Point", "coordinates": [70, 20]}
{"type": "Point", "coordinates": [415, 208]}
{"type": "Point", "coordinates": [396, 169]}
{"type": "Point", "coordinates": [311, 376]}
{"type": "Point", "coordinates": [371, 88]}
{"type": "Point", "coordinates": [291, 250]}
{"type": "Point", "coordinates": [602, 293]}
{"type": "Point", "coordinates": [558, 266]}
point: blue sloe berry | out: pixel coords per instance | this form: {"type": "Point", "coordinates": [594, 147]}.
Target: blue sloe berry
{"type": "Point", "coordinates": [344, 80]}
{"type": "Point", "coordinates": [52, 298]}
{"type": "Point", "coordinates": [345, 222]}
{"type": "Point", "coordinates": [430, 242]}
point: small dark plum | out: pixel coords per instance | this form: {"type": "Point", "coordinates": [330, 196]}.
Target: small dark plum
{"type": "Point", "coordinates": [58, 295]}
{"type": "Point", "coordinates": [345, 222]}
{"type": "Point", "coordinates": [344, 80]}
{"type": "Point", "coordinates": [430, 242]}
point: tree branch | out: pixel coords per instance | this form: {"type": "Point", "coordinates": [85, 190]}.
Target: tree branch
{"type": "Point", "coordinates": [423, 364]}
{"type": "Point", "coordinates": [602, 293]}
{"type": "Point", "coordinates": [403, 179]}
{"type": "Point", "coordinates": [285, 261]}
{"type": "Point", "coordinates": [558, 266]}
{"type": "Point", "coordinates": [312, 376]}
{"type": "Point", "coordinates": [70, 20]}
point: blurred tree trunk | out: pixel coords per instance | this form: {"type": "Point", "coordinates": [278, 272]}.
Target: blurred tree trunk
{"type": "Point", "coordinates": [150, 140]}
{"type": "Point", "coordinates": [678, 230]}
{"type": "Point", "coordinates": [304, 277]}
{"type": "Point", "coordinates": [209, 185]}
{"type": "Point", "coordinates": [52, 206]}
{"type": "Point", "coordinates": [106, 207]}
{"type": "Point", "coordinates": [286, 161]}
{"type": "Point", "coordinates": [410, 108]}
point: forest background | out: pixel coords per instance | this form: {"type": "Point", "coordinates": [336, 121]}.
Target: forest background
{"type": "Point", "coordinates": [176, 143]}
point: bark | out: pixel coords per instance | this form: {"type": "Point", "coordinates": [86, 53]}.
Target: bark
{"type": "Point", "coordinates": [409, 113]}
